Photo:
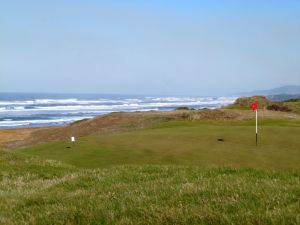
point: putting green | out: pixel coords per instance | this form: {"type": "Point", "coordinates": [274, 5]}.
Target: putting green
{"type": "Point", "coordinates": [185, 143]}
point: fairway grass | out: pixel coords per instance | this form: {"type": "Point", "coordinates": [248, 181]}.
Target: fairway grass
{"type": "Point", "coordinates": [185, 143]}
{"type": "Point", "coordinates": [173, 172]}
{"type": "Point", "coordinates": [35, 191]}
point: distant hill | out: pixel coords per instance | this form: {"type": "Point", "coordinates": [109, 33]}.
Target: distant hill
{"type": "Point", "coordinates": [283, 97]}
{"type": "Point", "coordinates": [288, 90]}
{"type": "Point", "coordinates": [278, 94]}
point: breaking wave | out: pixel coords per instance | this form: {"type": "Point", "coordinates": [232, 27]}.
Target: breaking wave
{"type": "Point", "coordinates": [49, 111]}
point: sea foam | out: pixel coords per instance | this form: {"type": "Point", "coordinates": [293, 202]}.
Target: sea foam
{"type": "Point", "coordinates": [50, 111]}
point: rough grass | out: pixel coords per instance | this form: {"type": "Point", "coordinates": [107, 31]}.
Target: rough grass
{"type": "Point", "coordinates": [46, 192]}
{"type": "Point", "coordinates": [243, 103]}
{"type": "Point", "coordinates": [185, 143]}
{"type": "Point", "coordinates": [293, 105]}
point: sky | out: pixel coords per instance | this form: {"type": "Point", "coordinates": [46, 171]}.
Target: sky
{"type": "Point", "coordinates": [162, 47]}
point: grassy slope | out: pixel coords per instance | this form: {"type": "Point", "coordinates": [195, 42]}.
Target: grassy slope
{"type": "Point", "coordinates": [295, 106]}
{"type": "Point", "coordinates": [46, 192]}
{"type": "Point", "coordinates": [186, 143]}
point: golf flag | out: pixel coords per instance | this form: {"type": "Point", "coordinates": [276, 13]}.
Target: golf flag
{"type": "Point", "coordinates": [254, 106]}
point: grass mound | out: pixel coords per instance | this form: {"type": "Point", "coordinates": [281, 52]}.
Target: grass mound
{"type": "Point", "coordinates": [47, 192]}
{"type": "Point", "coordinates": [245, 102]}
{"type": "Point", "coordinates": [294, 105]}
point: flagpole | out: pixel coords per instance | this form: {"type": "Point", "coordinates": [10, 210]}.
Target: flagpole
{"type": "Point", "coordinates": [254, 107]}
{"type": "Point", "coordinates": [256, 126]}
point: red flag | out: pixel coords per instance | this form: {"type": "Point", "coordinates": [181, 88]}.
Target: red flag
{"type": "Point", "coordinates": [254, 106]}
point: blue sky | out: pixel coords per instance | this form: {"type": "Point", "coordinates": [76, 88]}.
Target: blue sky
{"type": "Point", "coordinates": [149, 47]}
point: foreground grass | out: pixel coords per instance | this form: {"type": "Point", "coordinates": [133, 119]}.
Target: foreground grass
{"type": "Point", "coordinates": [34, 191]}
{"type": "Point", "coordinates": [185, 143]}
{"type": "Point", "coordinates": [172, 173]}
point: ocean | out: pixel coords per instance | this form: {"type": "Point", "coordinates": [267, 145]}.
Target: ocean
{"type": "Point", "coordinates": [19, 110]}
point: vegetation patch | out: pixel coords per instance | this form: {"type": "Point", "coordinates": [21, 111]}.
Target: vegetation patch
{"type": "Point", "coordinates": [277, 107]}
{"type": "Point", "coordinates": [245, 102]}
{"type": "Point", "coordinates": [79, 121]}
{"type": "Point", "coordinates": [293, 100]}
{"type": "Point", "coordinates": [35, 191]}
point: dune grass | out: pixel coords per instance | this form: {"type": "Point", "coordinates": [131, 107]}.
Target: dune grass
{"type": "Point", "coordinates": [185, 143]}
{"type": "Point", "coordinates": [293, 105]}
{"type": "Point", "coordinates": [244, 103]}
{"type": "Point", "coordinates": [37, 191]}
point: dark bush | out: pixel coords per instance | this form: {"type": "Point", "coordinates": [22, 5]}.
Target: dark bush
{"type": "Point", "coordinates": [182, 108]}
{"type": "Point", "coordinates": [276, 107]}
